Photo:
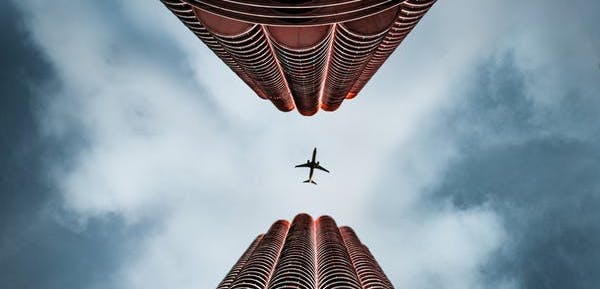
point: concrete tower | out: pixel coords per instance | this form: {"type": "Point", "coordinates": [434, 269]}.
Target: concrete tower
{"type": "Point", "coordinates": [306, 254]}
{"type": "Point", "coordinates": [302, 54]}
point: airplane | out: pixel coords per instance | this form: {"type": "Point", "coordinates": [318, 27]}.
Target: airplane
{"type": "Point", "coordinates": [312, 165]}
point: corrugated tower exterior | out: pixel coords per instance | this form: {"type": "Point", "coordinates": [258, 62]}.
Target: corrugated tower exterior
{"type": "Point", "coordinates": [302, 54]}
{"type": "Point", "coordinates": [306, 254]}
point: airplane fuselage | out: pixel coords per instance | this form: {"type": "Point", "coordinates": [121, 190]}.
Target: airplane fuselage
{"type": "Point", "coordinates": [312, 165]}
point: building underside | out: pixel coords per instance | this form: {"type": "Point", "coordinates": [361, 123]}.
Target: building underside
{"type": "Point", "coordinates": [306, 54]}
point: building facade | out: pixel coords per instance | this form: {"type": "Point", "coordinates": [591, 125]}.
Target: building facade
{"type": "Point", "coordinates": [306, 254]}
{"type": "Point", "coordinates": [304, 54]}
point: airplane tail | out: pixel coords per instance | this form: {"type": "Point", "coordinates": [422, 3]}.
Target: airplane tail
{"type": "Point", "coordinates": [310, 181]}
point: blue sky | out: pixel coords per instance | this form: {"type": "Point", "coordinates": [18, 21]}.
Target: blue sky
{"type": "Point", "coordinates": [133, 158]}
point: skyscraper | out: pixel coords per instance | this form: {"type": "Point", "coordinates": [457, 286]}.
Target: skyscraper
{"type": "Point", "coordinates": [307, 53]}
{"type": "Point", "coordinates": [306, 254]}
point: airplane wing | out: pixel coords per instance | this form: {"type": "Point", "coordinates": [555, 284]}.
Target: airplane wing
{"type": "Point", "coordinates": [303, 166]}
{"type": "Point", "coordinates": [321, 168]}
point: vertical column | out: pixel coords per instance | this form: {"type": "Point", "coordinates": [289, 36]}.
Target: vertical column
{"type": "Point", "coordinates": [186, 14]}
{"type": "Point", "coordinates": [368, 271]}
{"type": "Point", "coordinates": [334, 267]}
{"type": "Point", "coordinates": [410, 13]}
{"type": "Point", "coordinates": [250, 48]}
{"type": "Point", "coordinates": [235, 270]}
{"type": "Point", "coordinates": [352, 48]}
{"type": "Point", "coordinates": [302, 53]}
{"type": "Point", "coordinates": [296, 265]}
{"type": "Point", "coordinates": [259, 268]}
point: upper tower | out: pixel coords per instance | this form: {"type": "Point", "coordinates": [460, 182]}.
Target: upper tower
{"type": "Point", "coordinates": [302, 54]}
{"type": "Point", "coordinates": [306, 254]}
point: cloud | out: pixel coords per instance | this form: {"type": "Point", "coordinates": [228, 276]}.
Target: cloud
{"type": "Point", "coordinates": [531, 161]}
{"type": "Point", "coordinates": [34, 241]}
{"type": "Point", "coordinates": [163, 134]}
{"type": "Point", "coordinates": [166, 143]}
{"type": "Point", "coordinates": [521, 141]}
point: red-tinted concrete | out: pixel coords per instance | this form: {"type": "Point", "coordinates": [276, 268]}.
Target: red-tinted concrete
{"type": "Point", "coordinates": [307, 254]}
{"type": "Point", "coordinates": [305, 54]}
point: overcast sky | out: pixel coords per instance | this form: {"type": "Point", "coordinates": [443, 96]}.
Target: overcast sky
{"type": "Point", "coordinates": [132, 157]}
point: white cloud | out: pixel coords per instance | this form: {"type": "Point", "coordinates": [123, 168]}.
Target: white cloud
{"type": "Point", "coordinates": [173, 136]}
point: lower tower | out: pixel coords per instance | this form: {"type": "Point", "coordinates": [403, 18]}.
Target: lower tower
{"type": "Point", "coordinates": [306, 254]}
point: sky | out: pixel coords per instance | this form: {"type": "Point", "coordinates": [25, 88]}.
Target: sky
{"type": "Point", "coordinates": [131, 157]}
